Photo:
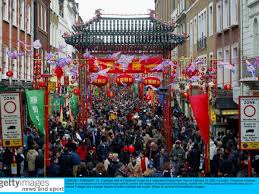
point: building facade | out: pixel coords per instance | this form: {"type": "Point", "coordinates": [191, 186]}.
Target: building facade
{"type": "Point", "coordinates": [16, 24]}
{"type": "Point", "coordinates": [249, 46]}
{"type": "Point", "coordinates": [164, 9]}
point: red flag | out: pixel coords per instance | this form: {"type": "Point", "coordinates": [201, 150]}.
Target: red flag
{"type": "Point", "coordinates": [200, 108]}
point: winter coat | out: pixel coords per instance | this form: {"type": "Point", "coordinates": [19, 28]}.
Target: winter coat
{"type": "Point", "coordinates": [31, 158]}
{"type": "Point", "coordinates": [135, 170]}
{"type": "Point", "coordinates": [102, 151]}
{"type": "Point", "coordinates": [66, 163]}
{"type": "Point", "coordinates": [75, 158]}
{"type": "Point", "coordinates": [82, 151]}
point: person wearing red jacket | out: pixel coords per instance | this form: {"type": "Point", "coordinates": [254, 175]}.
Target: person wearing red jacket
{"type": "Point", "coordinates": [82, 150]}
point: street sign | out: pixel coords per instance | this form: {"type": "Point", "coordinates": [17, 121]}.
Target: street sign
{"type": "Point", "coordinates": [11, 120]}
{"type": "Point", "coordinates": [249, 122]}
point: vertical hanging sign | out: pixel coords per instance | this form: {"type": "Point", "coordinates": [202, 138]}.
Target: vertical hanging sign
{"type": "Point", "coordinates": [11, 120]}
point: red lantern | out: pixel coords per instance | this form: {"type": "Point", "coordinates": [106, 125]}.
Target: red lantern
{"type": "Point", "coordinates": [185, 95]}
{"type": "Point", "coordinates": [59, 72]}
{"type": "Point", "coordinates": [210, 69]}
{"type": "Point", "coordinates": [124, 79]}
{"type": "Point", "coordinates": [183, 72]}
{"type": "Point", "coordinates": [153, 81]}
{"type": "Point", "coordinates": [42, 84]}
{"type": "Point", "coordinates": [9, 74]}
{"type": "Point", "coordinates": [203, 68]}
{"type": "Point", "coordinates": [175, 62]}
{"type": "Point", "coordinates": [76, 91]}
{"type": "Point", "coordinates": [36, 54]}
{"type": "Point", "coordinates": [202, 73]}
{"type": "Point", "coordinates": [175, 67]}
{"type": "Point", "coordinates": [227, 87]}
{"type": "Point", "coordinates": [100, 81]}
{"type": "Point", "coordinates": [131, 149]}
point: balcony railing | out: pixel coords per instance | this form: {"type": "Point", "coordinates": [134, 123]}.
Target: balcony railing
{"type": "Point", "coordinates": [202, 43]}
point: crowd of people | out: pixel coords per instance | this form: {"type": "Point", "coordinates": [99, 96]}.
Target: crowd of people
{"type": "Point", "coordinates": [124, 137]}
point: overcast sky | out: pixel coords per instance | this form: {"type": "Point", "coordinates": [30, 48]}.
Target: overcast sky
{"type": "Point", "coordinates": [88, 7]}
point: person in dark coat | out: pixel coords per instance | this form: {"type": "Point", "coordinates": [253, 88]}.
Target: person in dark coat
{"type": "Point", "coordinates": [8, 158]}
{"type": "Point", "coordinates": [91, 156]}
{"type": "Point", "coordinates": [20, 158]}
{"type": "Point", "coordinates": [194, 159]}
{"type": "Point", "coordinates": [114, 166]}
{"type": "Point", "coordinates": [66, 163]}
{"type": "Point", "coordinates": [54, 169]}
{"type": "Point", "coordinates": [103, 149]}
{"type": "Point", "coordinates": [76, 162]}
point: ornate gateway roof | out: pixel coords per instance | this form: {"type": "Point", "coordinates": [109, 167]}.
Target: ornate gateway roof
{"type": "Point", "coordinates": [129, 34]}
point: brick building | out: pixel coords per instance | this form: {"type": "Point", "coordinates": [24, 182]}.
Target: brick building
{"type": "Point", "coordinates": [16, 24]}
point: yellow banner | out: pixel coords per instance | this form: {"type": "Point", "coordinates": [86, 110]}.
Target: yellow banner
{"type": "Point", "coordinates": [250, 145]}
{"type": "Point", "coordinates": [12, 143]}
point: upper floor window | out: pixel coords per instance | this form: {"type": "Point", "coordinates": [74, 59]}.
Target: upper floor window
{"type": "Point", "coordinates": [14, 12]}
{"type": "Point", "coordinates": [226, 13]}
{"type": "Point", "coordinates": [219, 17]}
{"type": "Point", "coordinates": [6, 10]}
{"type": "Point", "coordinates": [21, 10]}
{"type": "Point", "coordinates": [28, 24]}
{"type": "Point", "coordinates": [211, 19]}
{"type": "Point", "coordinates": [234, 12]}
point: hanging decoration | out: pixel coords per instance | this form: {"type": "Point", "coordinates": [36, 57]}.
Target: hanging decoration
{"type": "Point", "coordinates": [124, 79]}
{"type": "Point", "coordinates": [100, 81]}
{"type": "Point", "coordinates": [153, 81]}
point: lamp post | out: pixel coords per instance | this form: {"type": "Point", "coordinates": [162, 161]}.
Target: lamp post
{"type": "Point", "coordinates": [46, 124]}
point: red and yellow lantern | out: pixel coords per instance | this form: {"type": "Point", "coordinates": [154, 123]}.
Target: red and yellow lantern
{"type": "Point", "coordinates": [100, 81]}
{"type": "Point", "coordinates": [124, 79]}
{"type": "Point", "coordinates": [153, 81]}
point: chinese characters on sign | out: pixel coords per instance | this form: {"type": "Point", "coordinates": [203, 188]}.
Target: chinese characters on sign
{"type": "Point", "coordinates": [35, 100]}
{"type": "Point", "coordinates": [11, 120]}
{"type": "Point", "coordinates": [249, 123]}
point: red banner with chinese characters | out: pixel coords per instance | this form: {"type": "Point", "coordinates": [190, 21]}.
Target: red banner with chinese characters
{"type": "Point", "coordinates": [200, 108]}
{"type": "Point", "coordinates": [136, 66]}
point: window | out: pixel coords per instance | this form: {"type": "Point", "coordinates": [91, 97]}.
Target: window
{"type": "Point", "coordinates": [6, 10]}
{"type": "Point", "coordinates": [234, 12]}
{"type": "Point", "coordinates": [39, 14]}
{"type": "Point", "coordinates": [14, 12]}
{"type": "Point", "coordinates": [191, 33]}
{"type": "Point", "coordinates": [226, 71]}
{"type": "Point", "coordinates": [199, 26]}
{"type": "Point", "coordinates": [195, 31]}
{"type": "Point", "coordinates": [256, 37]}
{"type": "Point", "coordinates": [188, 29]}
{"type": "Point", "coordinates": [235, 61]}
{"type": "Point", "coordinates": [211, 19]}
{"type": "Point", "coordinates": [5, 60]}
{"type": "Point", "coordinates": [21, 11]}
{"type": "Point", "coordinates": [226, 13]}
{"type": "Point", "coordinates": [22, 68]}
{"type": "Point", "coordinates": [14, 68]}
{"type": "Point", "coordinates": [28, 19]}
{"type": "Point", "coordinates": [44, 18]}
{"type": "Point", "coordinates": [219, 70]}
{"type": "Point", "coordinates": [219, 17]}
{"type": "Point", "coordinates": [29, 68]}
